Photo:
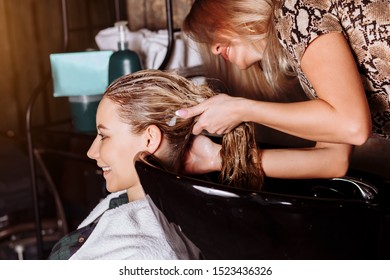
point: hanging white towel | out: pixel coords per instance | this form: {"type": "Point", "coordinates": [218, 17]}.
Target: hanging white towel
{"type": "Point", "coordinates": [152, 47]}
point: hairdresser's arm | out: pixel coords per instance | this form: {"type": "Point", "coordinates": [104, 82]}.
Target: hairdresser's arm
{"type": "Point", "coordinates": [339, 115]}
{"type": "Point", "coordinates": [325, 160]}
{"type": "Point", "coordinates": [322, 161]}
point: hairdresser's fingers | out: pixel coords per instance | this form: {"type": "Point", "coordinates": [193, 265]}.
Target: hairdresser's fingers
{"type": "Point", "coordinates": [199, 127]}
{"type": "Point", "coordinates": [218, 115]}
{"type": "Point", "coordinates": [211, 128]}
{"type": "Point", "coordinates": [221, 115]}
{"type": "Point", "coordinates": [201, 107]}
{"type": "Point", "coordinates": [191, 111]}
{"type": "Point", "coordinates": [194, 111]}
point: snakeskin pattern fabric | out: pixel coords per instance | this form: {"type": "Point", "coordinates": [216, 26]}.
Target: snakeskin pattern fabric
{"type": "Point", "coordinates": [365, 25]}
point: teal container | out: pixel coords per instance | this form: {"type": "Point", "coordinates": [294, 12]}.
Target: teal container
{"type": "Point", "coordinates": [121, 63]}
{"type": "Point", "coordinates": [83, 110]}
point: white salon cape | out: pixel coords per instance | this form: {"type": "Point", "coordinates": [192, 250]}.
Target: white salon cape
{"type": "Point", "coordinates": [135, 230]}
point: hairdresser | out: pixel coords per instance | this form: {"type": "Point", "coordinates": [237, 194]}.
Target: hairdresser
{"type": "Point", "coordinates": [338, 50]}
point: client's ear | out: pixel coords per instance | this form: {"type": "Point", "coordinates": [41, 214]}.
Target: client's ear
{"type": "Point", "coordinates": [153, 138]}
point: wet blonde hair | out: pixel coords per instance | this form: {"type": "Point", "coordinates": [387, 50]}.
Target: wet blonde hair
{"type": "Point", "coordinates": [252, 20]}
{"type": "Point", "coordinates": [151, 97]}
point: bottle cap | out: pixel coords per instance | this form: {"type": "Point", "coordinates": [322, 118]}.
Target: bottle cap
{"type": "Point", "coordinates": [122, 42]}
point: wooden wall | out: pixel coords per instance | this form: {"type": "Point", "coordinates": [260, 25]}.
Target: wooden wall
{"type": "Point", "coordinates": [29, 31]}
{"type": "Point", "coordinates": [32, 29]}
{"type": "Point", "coordinates": [151, 13]}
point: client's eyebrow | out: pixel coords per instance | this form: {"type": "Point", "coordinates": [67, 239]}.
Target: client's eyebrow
{"type": "Point", "coordinates": [100, 126]}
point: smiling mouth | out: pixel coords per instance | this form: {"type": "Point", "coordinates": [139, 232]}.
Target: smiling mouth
{"type": "Point", "coordinates": [106, 169]}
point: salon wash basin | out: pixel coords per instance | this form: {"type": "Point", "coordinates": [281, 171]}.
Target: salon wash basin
{"type": "Point", "coordinates": [341, 218]}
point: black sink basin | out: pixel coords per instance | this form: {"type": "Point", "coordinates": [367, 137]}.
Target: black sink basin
{"type": "Point", "coordinates": [340, 218]}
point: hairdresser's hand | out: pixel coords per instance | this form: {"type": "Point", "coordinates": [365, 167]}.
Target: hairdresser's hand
{"type": "Point", "coordinates": [203, 156]}
{"type": "Point", "coordinates": [218, 115]}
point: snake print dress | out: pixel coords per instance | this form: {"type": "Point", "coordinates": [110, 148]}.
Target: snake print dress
{"type": "Point", "coordinates": [365, 25]}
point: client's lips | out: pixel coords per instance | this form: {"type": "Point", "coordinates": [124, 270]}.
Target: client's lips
{"type": "Point", "coordinates": [106, 169]}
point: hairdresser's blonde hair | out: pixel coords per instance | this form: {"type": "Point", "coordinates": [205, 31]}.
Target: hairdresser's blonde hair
{"type": "Point", "coordinates": [253, 21]}
{"type": "Point", "coordinates": [151, 97]}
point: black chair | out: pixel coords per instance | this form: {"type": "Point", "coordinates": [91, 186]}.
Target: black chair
{"type": "Point", "coordinates": [341, 218]}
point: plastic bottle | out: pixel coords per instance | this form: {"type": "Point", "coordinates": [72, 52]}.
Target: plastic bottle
{"type": "Point", "coordinates": [123, 61]}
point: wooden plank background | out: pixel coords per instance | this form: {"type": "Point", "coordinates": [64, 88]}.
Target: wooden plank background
{"type": "Point", "coordinates": [29, 31]}
{"type": "Point", "coordinates": [32, 29]}
{"type": "Point", "coordinates": [151, 13]}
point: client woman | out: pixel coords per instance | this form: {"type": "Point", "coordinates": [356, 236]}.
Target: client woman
{"type": "Point", "coordinates": [137, 114]}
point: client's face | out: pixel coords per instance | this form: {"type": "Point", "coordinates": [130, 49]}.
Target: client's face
{"type": "Point", "coordinates": [114, 149]}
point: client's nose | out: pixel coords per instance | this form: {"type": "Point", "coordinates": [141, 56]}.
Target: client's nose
{"type": "Point", "coordinates": [93, 152]}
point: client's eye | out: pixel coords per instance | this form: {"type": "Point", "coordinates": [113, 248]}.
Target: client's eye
{"type": "Point", "coordinates": [102, 136]}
